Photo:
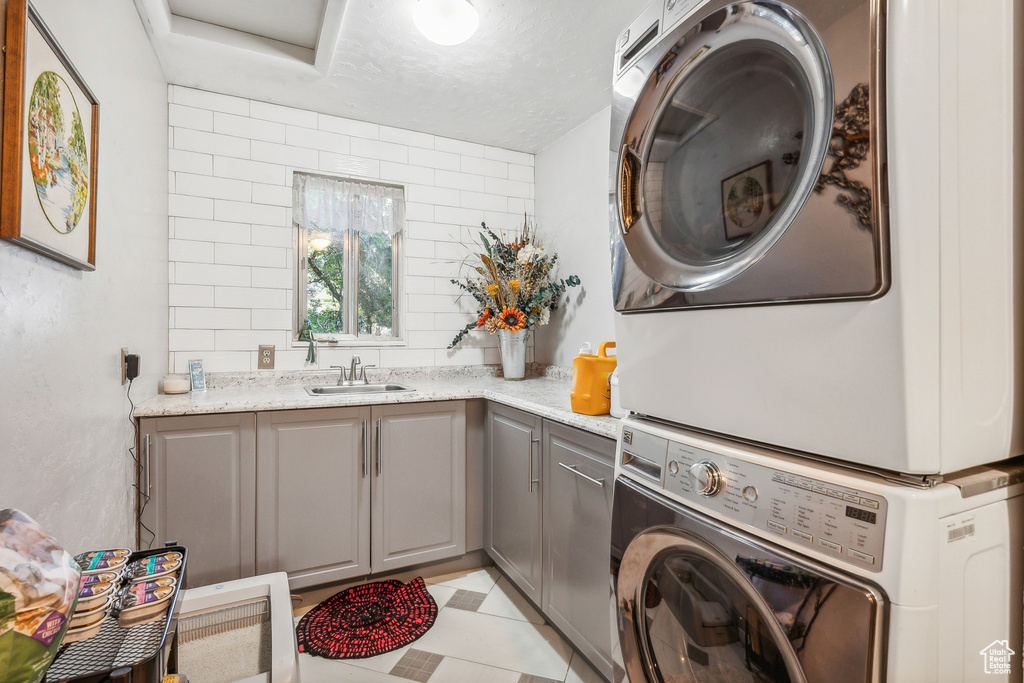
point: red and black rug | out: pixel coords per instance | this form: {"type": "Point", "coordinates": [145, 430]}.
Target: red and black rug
{"type": "Point", "coordinates": [367, 620]}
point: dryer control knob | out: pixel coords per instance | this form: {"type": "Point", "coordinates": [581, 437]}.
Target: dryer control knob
{"type": "Point", "coordinates": [706, 479]}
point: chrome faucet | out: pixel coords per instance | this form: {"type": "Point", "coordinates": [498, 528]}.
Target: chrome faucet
{"type": "Point", "coordinates": [352, 369]}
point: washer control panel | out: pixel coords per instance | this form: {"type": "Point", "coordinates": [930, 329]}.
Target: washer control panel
{"type": "Point", "coordinates": [842, 522]}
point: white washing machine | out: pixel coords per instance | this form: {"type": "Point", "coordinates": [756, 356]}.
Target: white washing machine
{"type": "Point", "coordinates": [732, 563]}
{"type": "Point", "coordinates": [816, 213]}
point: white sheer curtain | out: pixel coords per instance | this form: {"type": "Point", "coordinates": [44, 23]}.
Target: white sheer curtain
{"type": "Point", "coordinates": [322, 204]}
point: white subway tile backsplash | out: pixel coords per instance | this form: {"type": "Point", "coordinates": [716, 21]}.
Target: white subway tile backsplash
{"type": "Point", "coordinates": [523, 174]}
{"type": "Point", "coordinates": [425, 194]}
{"type": "Point", "coordinates": [211, 230]}
{"type": "Point", "coordinates": [254, 171]}
{"type": "Point", "coordinates": [190, 162]}
{"type": "Point", "coordinates": [211, 318]}
{"type": "Point", "coordinates": [212, 274]}
{"type": "Point", "coordinates": [458, 147]}
{"type": "Point", "coordinates": [249, 297]}
{"type": "Point", "coordinates": [484, 167]}
{"type": "Point", "coordinates": [508, 155]}
{"type": "Point", "coordinates": [409, 138]}
{"type": "Point", "coordinates": [384, 151]}
{"type": "Point", "coordinates": [275, 195]}
{"type": "Point", "coordinates": [277, 278]}
{"type": "Point", "coordinates": [245, 127]}
{"type": "Point", "coordinates": [359, 129]}
{"type": "Point", "coordinates": [180, 116]}
{"type": "Point", "coordinates": [190, 340]}
{"type": "Point", "coordinates": [323, 141]}
{"type": "Point", "coordinates": [405, 173]}
{"type": "Point", "coordinates": [266, 319]}
{"type": "Point", "coordinates": [406, 358]}
{"type": "Point", "coordinates": [189, 207]}
{"type": "Point", "coordinates": [186, 250]}
{"type": "Point", "coordinates": [434, 159]}
{"type": "Point", "coordinates": [230, 203]}
{"type": "Point", "coordinates": [190, 295]}
{"type": "Point", "coordinates": [348, 165]}
{"type": "Point", "coordinates": [246, 255]}
{"type": "Point", "coordinates": [299, 157]}
{"type": "Point", "coordinates": [484, 202]}
{"type": "Point", "coordinates": [242, 212]}
{"type": "Point", "coordinates": [247, 340]}
{"type": "Point", "coordinates": [460, 181]}
{"type": "Point", "coordinates": [415, 211]}
{"type": "Point", "coordinates": [213, 187]}
{"type": "Point", "coordinates": [276, 112]}
{"type": "Point", "coordinates": [202, 99]}
{"type": "Point", "coordinates": [510, 188]}
{"type": "Point", "coordinates": [273, 236]}
{"type": "Point", "coordinates": [210, 143]}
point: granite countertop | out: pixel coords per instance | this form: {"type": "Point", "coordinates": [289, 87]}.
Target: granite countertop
{"type": "Point", "coordinates": [546, 393]}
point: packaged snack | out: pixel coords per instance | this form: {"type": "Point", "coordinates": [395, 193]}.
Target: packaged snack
{"type": "Point", "coordinates": [38, 589]}
{"type": "Point", "coordinates": [154, 566]}
{"type": "Point", "coordinates": [102, 560]}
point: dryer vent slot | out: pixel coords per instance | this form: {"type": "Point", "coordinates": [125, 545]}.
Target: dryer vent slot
{"type": "Point", "coordinates": [641, 42]}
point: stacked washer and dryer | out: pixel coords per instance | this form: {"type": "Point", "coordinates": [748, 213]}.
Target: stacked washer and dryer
{"type": "Point", "coordinates": [816, 216]}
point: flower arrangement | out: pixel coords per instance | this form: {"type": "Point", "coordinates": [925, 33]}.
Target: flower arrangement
{"type": "Point", "coordinates": [515, 286]}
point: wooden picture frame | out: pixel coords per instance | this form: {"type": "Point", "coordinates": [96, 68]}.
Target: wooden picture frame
{"type": "Point", "coordinates": [747, 201]}
{"type": "Point", "coordinates": [50, 145]}
{"type": "Point", "coordinates": [196, 376]}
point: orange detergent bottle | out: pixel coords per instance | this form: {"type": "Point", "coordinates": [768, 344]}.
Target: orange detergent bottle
{"type": "Point", "coordinates": [591, 392]}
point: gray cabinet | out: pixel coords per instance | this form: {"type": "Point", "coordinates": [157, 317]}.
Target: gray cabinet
{"type": "Point", "coordinates": [313, 494]}
{"type": "Point", "coordinates": [419, 483]}
{"type": "Point", "coordinates": [512, 496]}
{"type": "Point", "coordinates": [578, 477]}
{"type": "Point", "coordinates": [197, 487]}
{"type": "Point", "coordinates": [345, 492]}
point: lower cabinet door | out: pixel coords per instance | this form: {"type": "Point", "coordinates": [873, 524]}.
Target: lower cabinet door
{"type": "Point", "coordinates": [578, 477]}
{"type": "Point", "coordinates": [313, 494]}
{"type": "Point", "coordinates": [419, 483]}
{"type": "Point", "coordinates": [196, 488]}
{"type": "Point", "coordinates": [512, 496]}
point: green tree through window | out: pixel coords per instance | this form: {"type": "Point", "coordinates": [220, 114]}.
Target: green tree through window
{"type": "Point", "coordinates": [348, 269]}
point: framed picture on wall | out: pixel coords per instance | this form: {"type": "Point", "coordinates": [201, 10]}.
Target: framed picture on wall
{"type": "Point", "coordinates": [747, 200]}
{"type": "Point", "coordinates": [50, 140]}
{"type": "Point", "coordinates": [196, 376]}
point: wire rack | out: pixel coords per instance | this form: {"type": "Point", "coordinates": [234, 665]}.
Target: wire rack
{"type": "Point", "coordinates": [116, 646]}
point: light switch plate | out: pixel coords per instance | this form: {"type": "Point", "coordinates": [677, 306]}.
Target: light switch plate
{"type": "Point", "coordinates": [266, 357]}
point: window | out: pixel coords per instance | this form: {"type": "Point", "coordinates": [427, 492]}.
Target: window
{"type": "Point", "coordinates": [349, 237]}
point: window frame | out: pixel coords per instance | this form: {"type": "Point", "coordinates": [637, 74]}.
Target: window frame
{"type": "Point", "coordinates": [350, 283]}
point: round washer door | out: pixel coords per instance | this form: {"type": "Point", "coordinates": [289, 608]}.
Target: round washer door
{"type": "Point", "coordinates": [692, 615]}
{"type": "Point", "coordinates": [724, 145]}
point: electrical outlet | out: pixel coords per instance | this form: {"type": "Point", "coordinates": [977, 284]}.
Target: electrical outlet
{"type": "Point", "coordinates": [266, 356]}
{"type": "Point", "coordinates": [124, 365]}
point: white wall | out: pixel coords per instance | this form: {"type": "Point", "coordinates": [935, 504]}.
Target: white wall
{"type": "Point", "coordinates": [572, 213]}
{"type": "Point", "coordinates": [64, 431]}
{"type": "Point", "coordinates": [232, 247]}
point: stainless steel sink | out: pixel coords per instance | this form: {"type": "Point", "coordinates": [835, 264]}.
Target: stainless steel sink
{"type": "Point", "coordinates": [358, 388]}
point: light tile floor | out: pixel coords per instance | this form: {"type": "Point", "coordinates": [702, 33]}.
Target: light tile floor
{"type": "Point", "coordinates": [485, 632]}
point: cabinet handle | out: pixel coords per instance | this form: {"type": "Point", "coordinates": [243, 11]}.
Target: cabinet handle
{"type": "Point", "coordinates": [572, 468]}
{"type": "Point", "coordinates": [532, 480]}
{"type": "Point", "coordinates": [378, 446]}
{"type": "Point", "coordinates": [148, 481]}
{"type": "Point", "coordinates": [366, 447]}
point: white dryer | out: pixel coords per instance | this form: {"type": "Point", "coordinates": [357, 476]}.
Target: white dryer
{"type": "Point", "coordinates": [733, 563]}
{"type": "Point", "coordinates": [816, 213]}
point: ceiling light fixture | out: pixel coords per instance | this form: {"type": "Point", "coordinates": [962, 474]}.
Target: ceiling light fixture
{"type": "Point", "coordinates": [446, 22]}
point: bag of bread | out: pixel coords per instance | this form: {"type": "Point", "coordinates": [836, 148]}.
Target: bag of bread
{"type": "Point", "coordinates": [38, 589]}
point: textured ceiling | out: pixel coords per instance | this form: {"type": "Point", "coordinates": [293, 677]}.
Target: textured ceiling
{"type": "Point", "coordinates": [532, 72]}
